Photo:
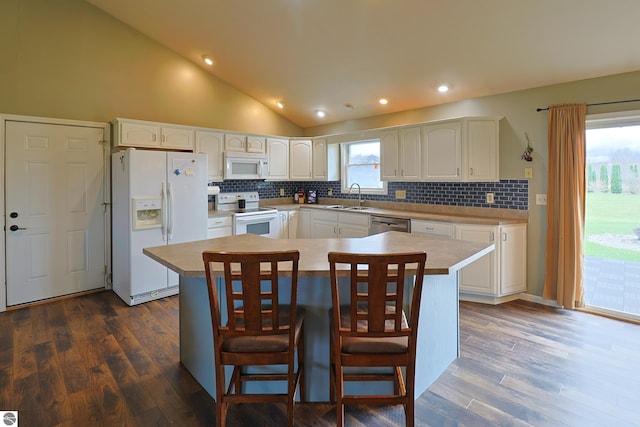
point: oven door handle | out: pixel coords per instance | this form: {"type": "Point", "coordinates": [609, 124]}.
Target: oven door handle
{"type": "Point", "coordinates": [255, 218]}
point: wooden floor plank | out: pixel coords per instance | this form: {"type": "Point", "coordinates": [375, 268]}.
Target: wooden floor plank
{"type": "Point", "coordinates": [93, 360]}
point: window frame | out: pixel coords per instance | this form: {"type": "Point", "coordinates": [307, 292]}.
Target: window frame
{"type": "Point", "coordinates": [344, 156]}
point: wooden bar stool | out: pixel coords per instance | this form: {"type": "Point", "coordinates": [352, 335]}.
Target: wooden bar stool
{"type": "Point", "coordinates": [263, 326]}
{"type": "Point", "coordinates": [371, 330]}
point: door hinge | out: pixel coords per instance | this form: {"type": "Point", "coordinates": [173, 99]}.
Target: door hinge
{"type": "Point", "coordinates": [102, 141]}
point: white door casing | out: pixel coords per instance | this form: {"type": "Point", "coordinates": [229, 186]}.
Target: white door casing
{"type": "Point", "coordinates": [55, 190]}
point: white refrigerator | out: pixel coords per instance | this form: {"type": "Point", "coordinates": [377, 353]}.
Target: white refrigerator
{"type": "Point", "coordinates": [158, 198]}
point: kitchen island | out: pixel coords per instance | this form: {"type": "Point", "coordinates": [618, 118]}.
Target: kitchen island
{"type": "Point", "coordinates": [438, 342]}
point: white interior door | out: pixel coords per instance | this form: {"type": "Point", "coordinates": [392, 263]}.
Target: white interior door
{"type": "Point", "coordinates": [55, 217]}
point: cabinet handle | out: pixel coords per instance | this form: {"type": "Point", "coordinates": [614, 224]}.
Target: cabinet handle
{"type": "Point", "coordinates": [154, 138]}
{"type": "Point", "coordinates": [470, 171]}
{"type": "Point", "coordinates": [457, 171]}
{"type": "Point", "coordinates": [493, 237]}
{"type": "Point", "coordinates": [429, 228]}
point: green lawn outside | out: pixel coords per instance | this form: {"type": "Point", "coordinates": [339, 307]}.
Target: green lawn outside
{"type": "Point", "coordinates": [611, 213]}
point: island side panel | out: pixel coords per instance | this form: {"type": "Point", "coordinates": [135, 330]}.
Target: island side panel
{"type": "Point", "coordinates": [196, 334]}
{"type": "Point", "coordinates": [438, 329]}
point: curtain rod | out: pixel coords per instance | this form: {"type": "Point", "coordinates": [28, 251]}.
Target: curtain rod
{"type": "Point", "coordinates": [598, 103]}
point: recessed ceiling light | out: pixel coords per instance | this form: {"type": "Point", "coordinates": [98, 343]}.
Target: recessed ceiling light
{"type": "Point", "coordinates": [320, 113]}
{"type": "Point", "coordinates": [279, 104]}
{"type": "Point", "coordinates": [443, 88]}
{"type": "Point", "coordinates": [383, 101]}
{"type": "Point", "coordinates": [207, 60]}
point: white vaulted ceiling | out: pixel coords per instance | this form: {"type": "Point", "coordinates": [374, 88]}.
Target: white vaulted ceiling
{"type": "Point", "coordinates": [323, 54]}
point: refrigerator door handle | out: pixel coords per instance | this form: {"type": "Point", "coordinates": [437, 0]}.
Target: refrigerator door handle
{"type": "Point", "coordinates": [164, 212]}
{"type": "Point", "coordinates": [169, 211]}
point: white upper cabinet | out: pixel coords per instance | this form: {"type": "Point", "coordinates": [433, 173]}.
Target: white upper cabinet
{"type": "Point", "coordinates": [278, 152]}
{"type": "Point", "coordinates": [300, 159]}
{"type": "Point", "coordinates": [137, 133]}
{"type": "Point", "coordinates": [233, 142]}
{"type": "Point", "coordinates": [400, 155]}
{"type": "Point", "coordinates": [212, 144]}
{"type": "Point", "coordinates": [442, 152]}
{"type": "Point", "coordinates": [245, 143]}
{"type": "Point", "coordinates": [389, 156]}
{"type": "Point", "coordinates": [256, 144]}
{"type": "Point", "coordinates": [481, 146]}
{"type": "Point", "coordinates": [326, 161]}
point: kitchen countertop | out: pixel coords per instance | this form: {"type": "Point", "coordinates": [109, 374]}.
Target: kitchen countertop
{"type": "Point", "coordinates": [409, 214]}
{"type": "Point", "coordinates": [444, 256]}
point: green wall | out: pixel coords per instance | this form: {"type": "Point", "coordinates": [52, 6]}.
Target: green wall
{"type": "Point", "coordinates": [67, 59]}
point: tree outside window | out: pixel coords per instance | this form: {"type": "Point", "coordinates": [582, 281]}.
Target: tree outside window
{"type": "Point", "coordinates": [361, 165]}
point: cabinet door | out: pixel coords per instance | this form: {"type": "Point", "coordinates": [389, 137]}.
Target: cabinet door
{"type": "Point", "coordinates": [482, 149]}
{"type": "Point", "coordinates": [323, 230]}
{"type": "Point", "coordinates": [410, 154]}
{"type": "Point", "coordinates": [348, 230]}
{"type": "Point", "coordinates": [389, 156]}
{"type": "Point", "coordinates": [513, 259]}
{"type": "Point", "coordinates": [304, 224]}
{"type": "Point", "coordinates": [301, 158]}
{"type": "Point", "coordinates": [442, 152]}
{"type": "Point", "coordinates": [283, 216]}
{"type": "Point", "coordinates": [278, 152]}
{"type": "Point", "coordinates": [235, 142]}
{"type": "Point", "coordinates": [319, 169]}
{"type": "Point", "coordinates": [479, 277]}
{"type": "Point", "coordinates": [212, 144]}
{"type": "Point", "coordinates": [139, 135]}
{"type": "Point", "coordinates": [256, 144]}
{"type": "Point", "coordinates": [176, 138]}
{"type": "Point", "coordinates": [294, 217]}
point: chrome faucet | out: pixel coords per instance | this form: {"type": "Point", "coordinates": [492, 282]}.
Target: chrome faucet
{"type": "Point", "coordinates": [359, 193]}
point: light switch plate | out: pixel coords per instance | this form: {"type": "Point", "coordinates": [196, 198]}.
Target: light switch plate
{"type": "Point", "coordinates": [528, 172]}
{"type": "Point", "coordinates": [401, 194]}
{"type": "Point", "coordinates": [541, 199]}
{"type": "Point", "coordinates": [282, 191]}
{"type": "Point", "coordinates": [490, 198]}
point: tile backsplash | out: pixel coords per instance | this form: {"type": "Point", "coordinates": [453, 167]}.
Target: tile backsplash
{"type": "Point", "coordinates": [508, 194]}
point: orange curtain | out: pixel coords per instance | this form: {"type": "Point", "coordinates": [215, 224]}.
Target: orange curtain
{"type": "Point", "coordinates": [566, 205]}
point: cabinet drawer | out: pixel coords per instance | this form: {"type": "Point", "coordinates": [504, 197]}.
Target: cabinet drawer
{"type": "Point", "coordinates": [433, 228]}
{"type": "Point", "coordinates": [219, 221]}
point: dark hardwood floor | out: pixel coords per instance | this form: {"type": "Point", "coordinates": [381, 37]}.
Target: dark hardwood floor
{"type": "Point", "coordinates": [91, 360]}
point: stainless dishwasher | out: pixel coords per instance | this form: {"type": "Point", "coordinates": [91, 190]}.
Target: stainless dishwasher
{"type": "Point", "coordinates": [380, 224]}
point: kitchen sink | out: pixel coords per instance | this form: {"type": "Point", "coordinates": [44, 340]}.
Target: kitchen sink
{"type": "Point", "coordinates": [347, 207]}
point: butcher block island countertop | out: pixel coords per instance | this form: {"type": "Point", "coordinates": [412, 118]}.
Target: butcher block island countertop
{"type": "Point", "coordinates": [438, 331]}
{"type": "Point", "coordinates": [444, 256]}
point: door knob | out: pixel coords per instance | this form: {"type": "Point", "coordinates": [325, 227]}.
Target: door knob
{"type": "Point", "coordinates": [16, 228]}
{"type": "Point", "coordinates": [13, 214]}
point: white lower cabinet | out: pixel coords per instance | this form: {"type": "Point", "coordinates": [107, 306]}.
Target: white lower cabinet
{"type": "Point", "coordinates": [501, 273]}
{"type": "Point", "coordinates": [433, 228]}
{"type": "Point", "coordinates": [289, 224]}
{"type": "Point", "coordinates": [304, 224]}
{"type": "Point", "coordinates": [479, 277]}
{"type": "Point", "coordinates": [331, 224]}
{"type": "Point", "coordinates": [219, 227]}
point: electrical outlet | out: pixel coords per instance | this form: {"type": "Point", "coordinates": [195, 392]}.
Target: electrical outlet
{"type": "Point", "coordinates": [541, 199]}
{"type": "Point", "coordinates": [282, 191]}
{"type": "Point", "coordinates": [401, 194]}
{"type": "Point", "coordinates": [489, 197]}
{"type": "Point", "coordinates": [330, 192]}
{"type": "Point", "coordinates": [528, 172]}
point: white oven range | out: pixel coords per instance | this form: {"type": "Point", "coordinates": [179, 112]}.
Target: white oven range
{"type": "Point", "coordinates": [248, 216]}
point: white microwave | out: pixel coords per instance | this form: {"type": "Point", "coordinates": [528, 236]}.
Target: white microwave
{"type": "Point", "coordinates": [245, 165]}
